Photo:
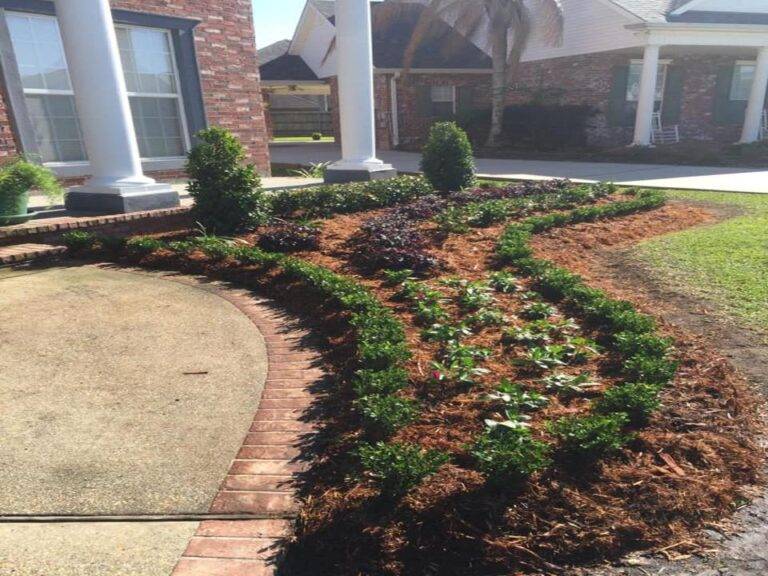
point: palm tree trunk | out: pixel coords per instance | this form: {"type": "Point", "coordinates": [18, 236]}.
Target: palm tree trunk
{"type": "Point", "coordinates": [500, 50]}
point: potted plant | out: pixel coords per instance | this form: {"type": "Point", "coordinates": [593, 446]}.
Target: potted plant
{"type": "Point", "coordinates": [17, 178]}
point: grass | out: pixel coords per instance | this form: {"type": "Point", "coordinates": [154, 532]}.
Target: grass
{"type": "Point", "coordinates": [302, 139]}
{"type": "Point", "coordinates": [726, 263]}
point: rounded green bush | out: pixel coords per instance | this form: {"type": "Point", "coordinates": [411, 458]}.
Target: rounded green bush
{"type": "Point", "coordinates": [447, 160]}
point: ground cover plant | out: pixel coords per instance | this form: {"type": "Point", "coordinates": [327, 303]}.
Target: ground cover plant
{"type": "Point", "coordinates": [492, 414]}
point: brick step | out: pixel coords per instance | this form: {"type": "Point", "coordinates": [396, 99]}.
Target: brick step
{"type": "Point", "coordinates": [18, 253]}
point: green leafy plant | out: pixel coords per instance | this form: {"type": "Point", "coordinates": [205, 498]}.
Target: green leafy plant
{"type": "Point", "coordinates": [504, 282]}
{"type": "Point", "coordinates": [569, 384]}
{"type": "Point", "coordinates": [579, 349]}
{"type": "Point", "coordinates": [78, 240]}
{"type": "Point", "coordinates": [141, 246]}
{"type": "Point", "coordinates": [396, 277]}
{"type": "Point", "coordinates": [516, 399]}
{"type": "Point", "coordinates": [379, 382]}
{"type": "Point", "coordinates": [484, 317]}
{"type": "Point", "coordinates": [314, 170]}
{"type": "Point", "coordinates": [459, 363]}
{"type": "Point", "coordinates": [538, 311]}
{"type": "Point", "coordinates": [447, 160]}
{"type": "Point", "coordinates": [474, 295]}
{"type": "Point", "coordinates": [17, 178]}
{"type": "Point", "coordinates": [397, 467]}
{"type": "Point", "coordinates": [509, 455]}
{"type": "Point", "coordinates": [588, 438]}
{"type": "Point", "coordinates": [650, 369]}
{"type": "Point", "coordinates": [445, 333]}
{"type": "Point", "coordinates": [544, 357]}
{"type": "Point", "coordinates": [226, 192]}
{"type": "Point", "coordinates": [383, 415]}
{"type": "Point", "coordinates": [637, 401]}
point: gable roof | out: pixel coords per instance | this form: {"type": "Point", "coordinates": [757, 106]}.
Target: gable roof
{"type": "Point", "coordinates": [276, 64]}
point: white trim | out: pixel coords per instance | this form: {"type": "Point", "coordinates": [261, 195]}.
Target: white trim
{"type": "Point", "coordinates": [687, 6]}
{"type": "Point", "coordinates": [435, 70]}
{"type": "Point", "coordinates": [80, 168]}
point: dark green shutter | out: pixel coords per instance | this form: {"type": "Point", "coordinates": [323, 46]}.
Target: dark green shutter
{"type": "Point", "coordinates": [673, 96]}
{"type": "Point", "coordinates": [620, 112]}
{"type": "Point", "coordinates": [465, 99]}
{"type": "Point", "coordinates": [424, 101]}
{"type": "Point", "coordinates": [727, 111]}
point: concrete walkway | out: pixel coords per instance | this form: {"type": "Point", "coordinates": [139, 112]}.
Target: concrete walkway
{"type": "Point", "coordinates": [121, 394]}
{"type": "Point", "coordinates": [650, 175]}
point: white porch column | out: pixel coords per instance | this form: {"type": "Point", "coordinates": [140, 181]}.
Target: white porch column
{"type": "Point", "coordinates": [646, 98]}
{"type": "Point", "coordinates": [356, 102]}
{"type": "Point", "coordinates": [756, 104]}
{"type": "Point", "coordinates": [117, 183]}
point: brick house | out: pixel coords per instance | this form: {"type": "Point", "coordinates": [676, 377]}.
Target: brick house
{"type": "Point", "coordinates": [652, 69]}
{"type": "Point", "coordinates": [185, 65]}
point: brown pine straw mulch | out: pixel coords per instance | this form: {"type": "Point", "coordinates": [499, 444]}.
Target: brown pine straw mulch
{"type": "Point", "coordinates": [690, 468]}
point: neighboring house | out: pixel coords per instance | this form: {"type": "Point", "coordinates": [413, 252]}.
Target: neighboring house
{"type": "Point", "coordinates": [298, 102]}
{"type": "Point", "coordinates": [701, 54]}
{"type": "Point", "coordinates": [449, 74]}
{"type": "Point", "coordinates": [187, 64]}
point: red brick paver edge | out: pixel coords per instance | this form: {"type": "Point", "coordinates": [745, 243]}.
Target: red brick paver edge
{"type": "Point", "coordinates": [260, 479]}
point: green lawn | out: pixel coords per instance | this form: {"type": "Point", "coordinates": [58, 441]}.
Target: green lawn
{"type": "Point", "coordinates": [726, 264]}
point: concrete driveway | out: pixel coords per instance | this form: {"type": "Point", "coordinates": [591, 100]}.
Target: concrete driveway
{"type": "Point", "coordinates": [122, 394]}
{"type": "Point", "coordinates": [650, 175]}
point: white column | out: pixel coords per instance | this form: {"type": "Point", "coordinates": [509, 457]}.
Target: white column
{"type": "Point", "coordinates": [754, 115]}
{"type": "Point", "coordinates": [356, 104]}
{"type": "Point", "coordinates": [646, 98]}
{"type": "Point", "coordinates": [90, 44]}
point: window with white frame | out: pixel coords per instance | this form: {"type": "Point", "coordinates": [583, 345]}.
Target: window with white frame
{"type": "Point", "coordinates": [633, 82]}
{"type": "Point", "coordinates": [443, 100]}
{"type": "Point", "coordinates": [150, 75]}
{"type": "Point", "coordinates": [741, 83]}
{"type": "Point", "coordinates": [47, 88]}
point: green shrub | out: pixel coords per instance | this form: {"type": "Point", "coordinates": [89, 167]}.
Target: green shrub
{"type": "Point", "coordinates": [396, 468]}
{"type": "Point", "coordinates": [140, 246]}
{"type": "Point", "coordinates": [650, 369]}
{"type": "Point", "coordinates": [324, 201]}
{"type": "Point", "coordinates": [226, 193]}
{"type": "Point", "coordinates": [509, 455]}
{"type": "Point", "coordinates": [113, 244]}
{"type": "Point", "coordinates": [384, 415]}
{"type": "Point", "coordinates": [637, 401]}
{"type": "Point", "coordinates": [252, 256]}
{"type": "Point", "coordinates": [631, 343]}
{"type": "Point", "coordinates": [587, 438]}
{"type": "Point", "coordinates": [317, 136]}
{"type": "Point", "coordinates": [379, 382]}
{"type": "Point", "coordinates": [447, 160]}
{"type": "Point", "coordinates": [78, 240]}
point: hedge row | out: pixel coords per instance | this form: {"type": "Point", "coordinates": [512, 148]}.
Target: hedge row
{"type": "Point", "coordinates": [645, 356]}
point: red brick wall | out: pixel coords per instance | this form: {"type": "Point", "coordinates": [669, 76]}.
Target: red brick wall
{"type": "Point", "coordinates": [229, 73]}
{"type": "Point", "coordinates": [574, 80]}
{"type": "Point", "coordinates": [588, 79]}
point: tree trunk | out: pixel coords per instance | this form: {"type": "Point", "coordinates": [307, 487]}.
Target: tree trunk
{"type": "Point", "coordinates": [500, 52]}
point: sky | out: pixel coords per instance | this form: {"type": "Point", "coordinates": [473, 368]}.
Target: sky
{"type": "Point", "coordinates": [275, 19]}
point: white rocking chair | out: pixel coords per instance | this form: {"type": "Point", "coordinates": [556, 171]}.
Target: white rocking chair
{"type": "Point", "coordinates": [661, 134]}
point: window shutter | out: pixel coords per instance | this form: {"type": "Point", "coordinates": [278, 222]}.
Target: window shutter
{"type": "Point", "coordinates": [727, 111]}
{"type": "Point", "coordinates": [673, 96]}
{"type": "Point", "coordinates": [465, 96]}
{"type": "Point", "coordinates": [424, 101]}
{"type": "Point", "coordinates": [619, 110]}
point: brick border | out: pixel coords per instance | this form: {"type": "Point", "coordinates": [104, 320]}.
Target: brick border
{"type": "Point", "coordinates": [261, 479]}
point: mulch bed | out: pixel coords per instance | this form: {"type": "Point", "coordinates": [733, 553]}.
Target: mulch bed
{"type": "Point", "coordinates": [691, 467]}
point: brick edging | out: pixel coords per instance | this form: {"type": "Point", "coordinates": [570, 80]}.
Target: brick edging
{"type": "Point", "coordinates": [260, 480]}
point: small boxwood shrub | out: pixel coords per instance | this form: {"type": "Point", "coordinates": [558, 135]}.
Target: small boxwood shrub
{"type": "Point", "coordinates": [396, 467]}
{"type": "Point", "coordinates": [637, 401]}
{"type": "Point", "coordinates": [140, 246]}
{"type": "Point", "coordinates": [447, 160]}
{"type": "Point", "coordinates": [384, 415]}
{"type": "Point", "coordinates": [509, 455]}
{"type": "Point", "coordinates": [651, 369]}
{"type": "Point", "coordinates": [588, 438]}
{"type": "Point", "coordinates": [226, 192]}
